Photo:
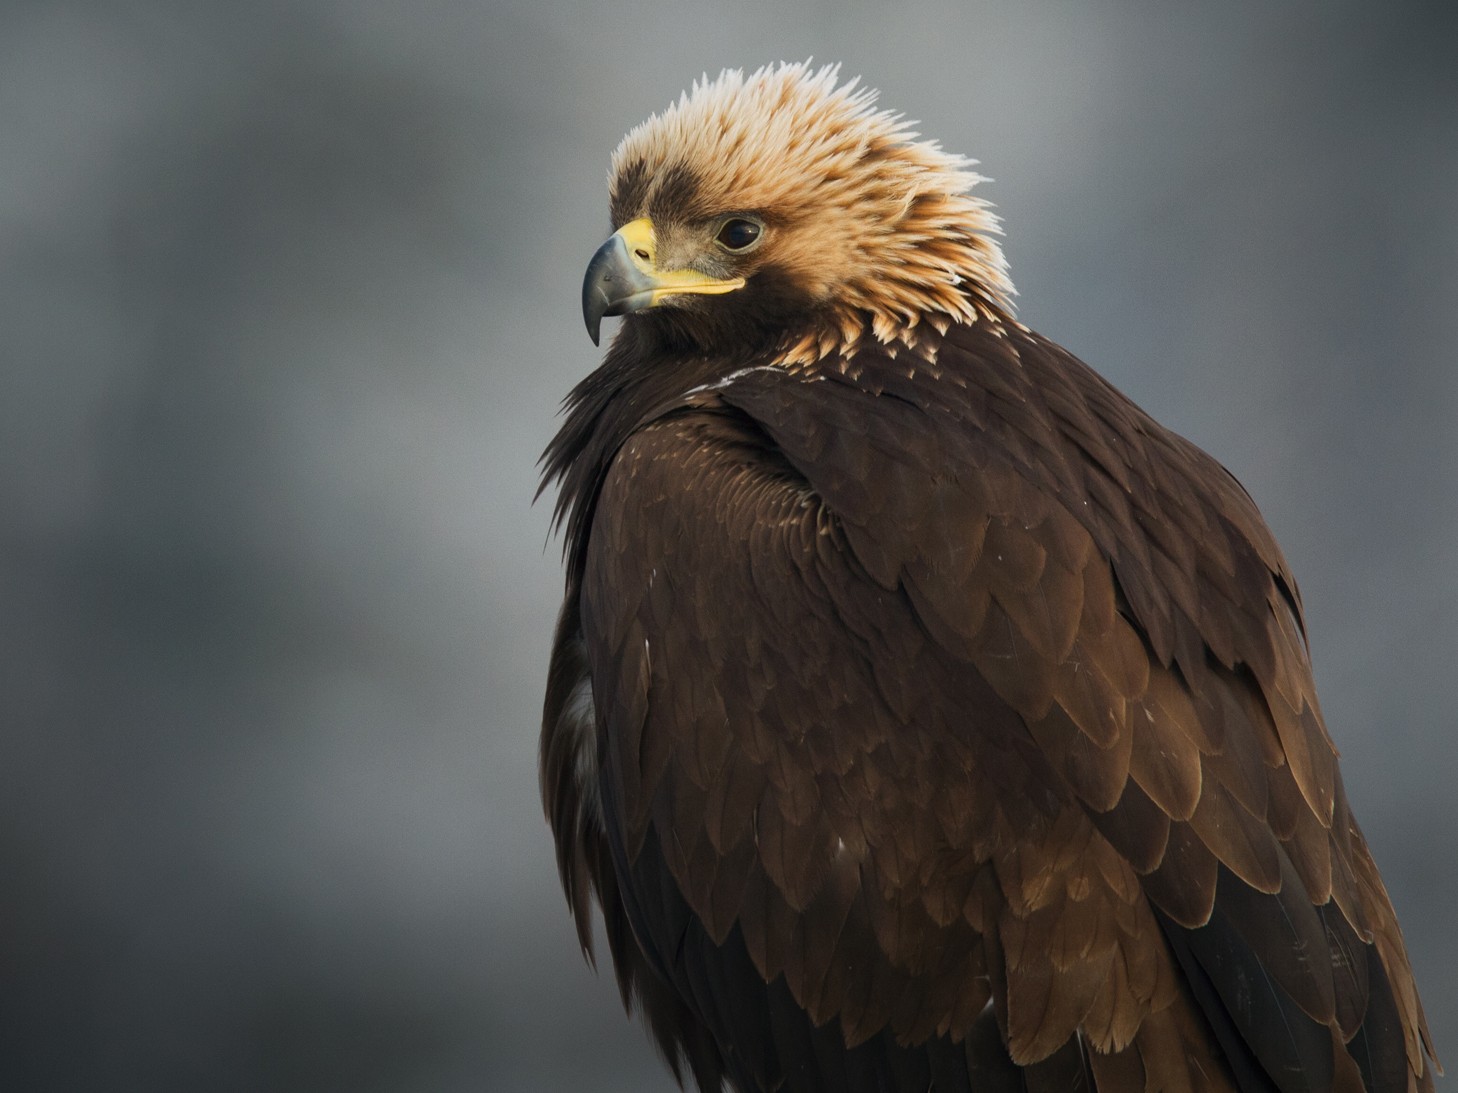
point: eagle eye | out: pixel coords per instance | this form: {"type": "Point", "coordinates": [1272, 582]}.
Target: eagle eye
{"type": "Point", "coordinates": [737, 234]}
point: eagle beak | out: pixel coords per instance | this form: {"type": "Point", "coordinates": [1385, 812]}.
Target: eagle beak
{"type": "Point", "coordinates": [623, 277]}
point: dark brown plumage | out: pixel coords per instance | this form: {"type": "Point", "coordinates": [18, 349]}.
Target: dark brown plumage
{"type": "Point", "coordinates": [922, 715]}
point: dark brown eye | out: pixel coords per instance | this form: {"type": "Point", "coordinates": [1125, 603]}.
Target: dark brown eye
{"type": "Point", "coordinates": [737, 233]}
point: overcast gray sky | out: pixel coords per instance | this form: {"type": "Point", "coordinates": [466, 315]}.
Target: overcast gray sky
{"type": "Point", "coordinates": [288, 298]}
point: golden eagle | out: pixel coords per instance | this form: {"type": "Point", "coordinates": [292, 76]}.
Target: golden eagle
{"type": "Point", "coordinates": [922, 715]}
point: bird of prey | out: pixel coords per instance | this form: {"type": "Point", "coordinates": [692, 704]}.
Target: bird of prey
{"type": "Point", "coordinates": [922, 715]}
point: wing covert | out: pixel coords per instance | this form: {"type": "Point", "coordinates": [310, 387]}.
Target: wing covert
{"type": "Point", "coordinates": [893, 701]}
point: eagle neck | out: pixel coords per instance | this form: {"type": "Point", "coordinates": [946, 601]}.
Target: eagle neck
{"type": "Point", "coordinates": [638, 382]}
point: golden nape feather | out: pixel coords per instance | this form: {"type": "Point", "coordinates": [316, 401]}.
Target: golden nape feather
{"type": "Point", "coordinates": [922, 715]}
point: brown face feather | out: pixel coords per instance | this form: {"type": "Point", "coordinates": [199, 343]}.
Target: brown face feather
{"type": "Point", "coordinates": [868, 229]}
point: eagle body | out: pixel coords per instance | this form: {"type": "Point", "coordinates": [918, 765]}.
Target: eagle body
{"type": "Point", "coordinates": [922, 715]}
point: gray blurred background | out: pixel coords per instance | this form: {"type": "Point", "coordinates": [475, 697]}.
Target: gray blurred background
{"type": "Point", "coordinates": [288, 299]}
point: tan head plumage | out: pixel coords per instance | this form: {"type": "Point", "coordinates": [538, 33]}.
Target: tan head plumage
{"type": "Point", "coordinates": [873, 223]}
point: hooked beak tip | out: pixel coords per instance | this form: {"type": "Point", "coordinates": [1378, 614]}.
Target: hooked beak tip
{"type": "Point", "coordinates": [610, 280]}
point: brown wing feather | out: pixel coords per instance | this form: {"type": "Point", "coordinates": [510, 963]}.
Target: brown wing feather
{"type": "Point", "coordinates": [908, 880]}
{"type": "Point", "coordinates": [950, 683]}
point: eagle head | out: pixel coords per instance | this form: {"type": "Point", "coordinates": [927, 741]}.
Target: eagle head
{"type": "Point", "coordinates": [784, 208]}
